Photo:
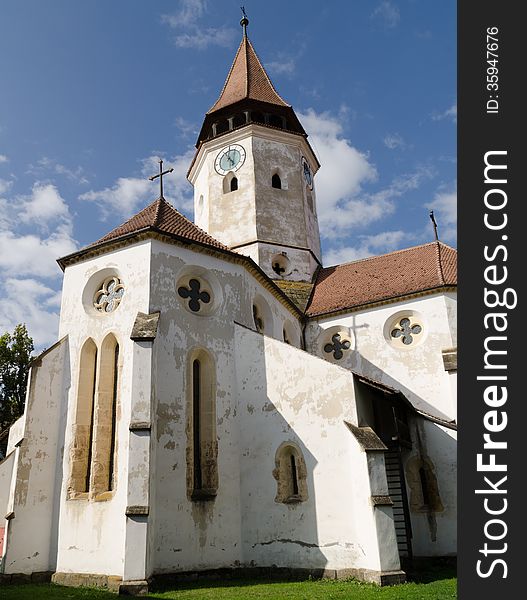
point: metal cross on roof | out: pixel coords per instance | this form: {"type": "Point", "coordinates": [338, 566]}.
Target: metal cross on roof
{"type": "Point", "coordinates": [160, 175]}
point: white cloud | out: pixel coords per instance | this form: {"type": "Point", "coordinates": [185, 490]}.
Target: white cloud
{"type": "Point", "coordinates": [122, 198]}
{"type": "Point", "coordinates": [200, 39]}
{"type": "Point", "coordinates": [47, 165]}
{"type": "Point", "coordinates": [342, 202]}
{"type": "Point", "coordinates": [188, 33]}
{"type": "Point", "coordinates": [5, 185]}
{"type": "Point", "coordinates": [281, 67]}
{"type": "Point", "coordinates": [3, 158]}
{"type": "Point", "coordinates": [32, 255]}
{"type": "Point", "coordinates": [28, 260]}
{"type": "Point", "coordinates": [45, 204]}
{"type": "Point", "coordinates": [449, 114]}
{"type": "Point", "coordinates": [444, 206]}
{"type": "Point", "coordinates": [387, 13]}
{"type": "Point", "coordinates": [190, 11]}
{"type": "Point", "coordinates": [130, 194]}
{"type": "Point", "coordinates": [24, 301]}
{"type": "Point", "coordinates": [368, 245]}
{"type": "Point", "coordinates": [393, 141]}
{"type": "Point", "coordinates": [343, 172]}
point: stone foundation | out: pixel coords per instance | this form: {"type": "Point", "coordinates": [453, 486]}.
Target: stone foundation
{"type": "Point", "coordinates": [379, 577]}
{"type": "Point", "coordinates": [110, 582]}
{"type": "Point", "coordinates": [115, 583]}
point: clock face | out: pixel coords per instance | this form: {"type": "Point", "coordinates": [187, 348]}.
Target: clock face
{"type": "Point", "coordinates": [307, 173]}
{"type": "Point", "coordinates": [230, 158]}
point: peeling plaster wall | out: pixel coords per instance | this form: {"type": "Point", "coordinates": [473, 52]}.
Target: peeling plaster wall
{"type": "Point", "coordinates": [229, 217]}
{"type": "Point", "coordinates": [257, 211]}
{"type": "Point", "coordinates": [6, 474]}
{"type": "Point", "coordinates": [284, 395]}
{"type": "Point", "coordinates": [434, 532]}
{"type": "Point", "coordinates": [197, 535]}
{"type": "Point", "coordinates": [31, 533]}
{"type": "Point", "coordinates": [92, 533]}
{"type": "Point", "coordinates": [417, 371]}
{"type": "Point", "coordinates": [16, 433]}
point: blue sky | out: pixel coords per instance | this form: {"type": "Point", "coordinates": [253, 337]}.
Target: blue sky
{"type": "Point", "coordinates": [93, 93]}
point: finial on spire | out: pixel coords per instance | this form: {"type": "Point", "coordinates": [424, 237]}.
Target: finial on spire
{"type": "Point", "coordinates": [432, 218]}
{"type": "Point", "coordinates": [244, 21]}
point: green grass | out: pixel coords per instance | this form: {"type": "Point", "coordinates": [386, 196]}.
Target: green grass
{"type": "Point", "coordinates": [433, 583]}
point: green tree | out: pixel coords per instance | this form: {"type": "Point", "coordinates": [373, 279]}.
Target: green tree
{"type": "Point", "coordinates": [15, 355]}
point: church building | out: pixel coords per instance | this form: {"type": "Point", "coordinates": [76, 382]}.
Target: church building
{"type": "Point", "coordinates": [220, 402]}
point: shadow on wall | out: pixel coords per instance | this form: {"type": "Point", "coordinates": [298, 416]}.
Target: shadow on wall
{"type": "Point", "coordinates": [279, 517]}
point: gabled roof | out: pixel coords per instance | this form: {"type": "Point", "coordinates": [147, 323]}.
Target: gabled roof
{"type": "Point", "coordinates": [247, 79]}
{"type": "Point", "coordinates": [382, 278]}
{"type": "Point", "coordinates": [159, 216]}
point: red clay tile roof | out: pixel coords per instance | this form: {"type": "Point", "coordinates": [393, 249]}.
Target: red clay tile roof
{"type": "Point", "coordinates": [384, 277]}
{"type": "Point", "coordinates": [164, 218]}
{"type": "Point", "coordinates": [247, 79]}
{"type": "Point", "coordinates": [159, 216]}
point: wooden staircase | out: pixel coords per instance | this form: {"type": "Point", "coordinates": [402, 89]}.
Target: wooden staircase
{"type": "Point", "coordinates": [397, 492]}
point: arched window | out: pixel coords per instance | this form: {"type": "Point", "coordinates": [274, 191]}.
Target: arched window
{"type": "Point", "coordinates": [83, 422]}
{"type": "Point", "coordinates": [239, 120]}
{"type": "Point", "coordinates": [276, 182]}
{"type": "Point", "coordinates": [290, 473]}
{"type": "Point", "coordinates": [103, 457]}
{"type": "Point", "coordinates": [221, 126]}
{"type": "Point", "coordinates": [230, 183]}
{"type": "Point", "coordinates": [202, 464]}
{"type": "Point", "coordinates": [258, 319]}
{"type": "Point", "coordinates": [276, 121]}
{"type": "Point", "coordinates": [257, 117]}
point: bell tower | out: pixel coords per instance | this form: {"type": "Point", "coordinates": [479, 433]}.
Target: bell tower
{"type": "Point", "coordinates": [253, 174]}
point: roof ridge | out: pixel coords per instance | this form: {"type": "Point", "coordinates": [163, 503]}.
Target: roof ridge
{"type": "Point", "coordinates": [351, 262]}
{"type": "Point", "coordinates": [157, 213]}
{"type": "Point", "coordinates": [439, 264]}
{"type": "Point", "coordinates": [227, 78]}
{"type": "Point", "coordinates": [264, 72]}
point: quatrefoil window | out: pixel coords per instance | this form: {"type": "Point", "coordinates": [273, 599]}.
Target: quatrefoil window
{"type": "Point", "coordinates": [406, 330]}
{"type": "Point", "coordinates": [109, 296]}
{"type": "Point", "coordinates": [194, 294]}
{"type": "Point", "coordinates": [337, 346]}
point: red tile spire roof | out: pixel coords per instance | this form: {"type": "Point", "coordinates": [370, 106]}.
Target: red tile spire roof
{"type": "Point", "coordinates": [382, 278]}
{"type": "Point", "coordinates": [247, 79]}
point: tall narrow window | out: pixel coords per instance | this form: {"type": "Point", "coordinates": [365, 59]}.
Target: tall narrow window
{"type": "Point", "coordinates": [234, 184]}
{"type": "Point", "coordinates": [83, 421]}
{"type": "Point", "coordinates": [102, 478]}
{"type": "Point", "coordinates": [294, 475]}
{"type": "Point", "coordinates": [424, 486]}
{"type": "Point", "coordinates": [202, 465]}
{"type": "Point", "coordinates": [111, 469]}
{"type": "Point", "coordinates": [276, 182]}
{"type": "Point", "coordinates": [196, 429]}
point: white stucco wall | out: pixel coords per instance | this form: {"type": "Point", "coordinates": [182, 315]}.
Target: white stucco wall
{"type": "Point", "coordinates": [435, 533]}
{"type": "Point", "coordinates": [92, 533]}
{"type": "Point", "coordinates": [418, 370]}
{"type": "Point", "coordinates": [32, 532]}
{"type": "Point", "coordinates": [256, 210]}
{"type": "Point", "coordinates": [284, 394]}
{"type": "Point", "coordinates": [206, 534]}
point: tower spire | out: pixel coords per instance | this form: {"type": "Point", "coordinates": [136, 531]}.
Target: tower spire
{"type": "Point", "coordinates": [244, 21]}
